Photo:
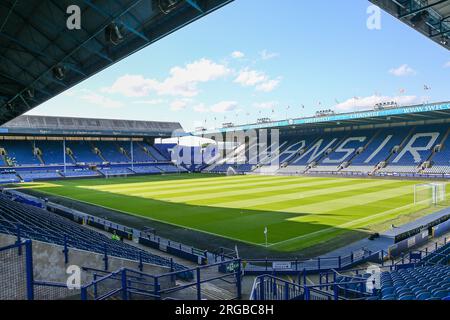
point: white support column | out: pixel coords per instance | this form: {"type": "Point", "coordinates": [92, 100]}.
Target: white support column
{"type": "Point", "coordinates": [132, 153]}
{"type": "Point", "coordinates": [64, 155]}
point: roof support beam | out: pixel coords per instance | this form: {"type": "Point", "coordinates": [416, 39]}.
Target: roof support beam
{"type": "Point", "coordinates": [194, 4]}
{"type": "Point", "coordinates": [8, 15]}
{"type": "Point", "coordinates": [423, 8]}
{"type": "Point", "coordinates": [105, 14]}
{"type": "Point", "coordinates": [45, 74]}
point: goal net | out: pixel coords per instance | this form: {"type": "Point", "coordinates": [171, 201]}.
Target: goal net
{"type": "Point", "coordinates": [432, 194]}
{"type": "Point", "coordinates": [231, 172]}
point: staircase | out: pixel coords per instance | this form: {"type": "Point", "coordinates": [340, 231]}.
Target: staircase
{"type": "Point", "coordinates": [365, 147]}
{"type": "Point", "coordinates": [123, 151]}
{"type": "Point", "coordinates": [400, 147]}
{"type": "Point", "coordinates": [442, 144]}
{"type": "Point", "coordinates": [146, 151]}
{"type": "Point", "coordinates": [155, 153]}
{"type": "Point", "coordinates": [69, 152]}
{"type": "Point", "coordinates": [326, 154]}
{"type": "Point", "coordinates": [294, 159]}
{"type": "Point", "coordinates": [38, 153]}
{"type": "Point", "coordinates": [98, 152]}
{"type": "Point", "coordinates": [4, 157]}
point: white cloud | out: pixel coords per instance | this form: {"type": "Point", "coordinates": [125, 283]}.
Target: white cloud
{"type": "Point", "coordinates": [266, 55]}
{"type": "Point", "coordinates": [201, 108]}
{"type": "Point", "coordinates": [182, 81]}
{"type": "Point", "coordinates": [179, 105]}
{"type": "Point", "coordinates": [266, 105]}
{"type": "Point", "coordinates": [249, 77]}
{"type": "Point", "coordinates": [269, 85]}
{"type": "Point", "coordinates": [69, 93]}
{"type": "Point", "coordinates": [224, 106]}
{"type": "Point", "coordinates": [402, 71]}
{"type": "Point", "coordinates": [101, 101]}
{"type": "Point", "coordinates": [132, 86]}
{"type": "Point", "coordinates": [150, 102]}
{"type": "Point", "coordinates": [258, 79]}
{"type": "Point", "coordinates": [237, 55]}
{"type": "Point", "coordinates": [447, 65]}
{"type": "Point", "coordinates": [367, 103]}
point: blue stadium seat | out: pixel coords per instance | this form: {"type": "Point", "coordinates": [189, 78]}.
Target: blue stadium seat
{"type": "Point", "coordinates": [83, 152]}
{"type": "Point", "coordinates": [41, 225]}
{"type": "Point", "coordinates": [421, 283]}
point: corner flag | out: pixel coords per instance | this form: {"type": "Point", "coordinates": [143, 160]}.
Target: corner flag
{"type": "Point", "coordinates": [265, 234]}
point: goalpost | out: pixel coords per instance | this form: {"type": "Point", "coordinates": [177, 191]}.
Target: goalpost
{"type": "Point", "coordinates": [430, 193]}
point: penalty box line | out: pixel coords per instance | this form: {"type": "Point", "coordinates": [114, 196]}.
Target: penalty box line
{"type": "Point", "coordinates": [348, 224]}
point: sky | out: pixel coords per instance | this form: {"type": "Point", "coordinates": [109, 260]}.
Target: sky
{"type": "Point", "coordinates": [253, 59]}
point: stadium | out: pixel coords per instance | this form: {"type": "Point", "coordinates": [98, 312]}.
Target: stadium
{"type": "Point", "coordinates": [335, 206]}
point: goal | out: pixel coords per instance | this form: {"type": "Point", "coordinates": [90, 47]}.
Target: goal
{"type": "Point", "coordinates": [430, 194]}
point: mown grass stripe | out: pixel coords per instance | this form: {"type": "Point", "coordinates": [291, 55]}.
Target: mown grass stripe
{"type": "Point", "coordinates": [97, 184]}
{"type": "Point", "coordinates": [346, 202]}
{"type": "Point", "coordinates": [253, 203]}
{"type": "Point", "coordinates": [249, 191]}
{"type": "Point", "coordinates": [189, 189]}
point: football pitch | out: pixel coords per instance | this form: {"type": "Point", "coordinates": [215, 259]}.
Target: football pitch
{"type": "Point", "coordinates": [299, 212]}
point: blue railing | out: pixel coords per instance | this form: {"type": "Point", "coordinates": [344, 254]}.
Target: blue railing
{"type": "Point", "coordinates": [126, 284]}
{"type": "Point", "coordinates": [22, 249]}
{"type": "Point", "coordinates": [296, 266]}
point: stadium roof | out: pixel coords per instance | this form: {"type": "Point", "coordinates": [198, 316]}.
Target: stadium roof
{"type": "Point", "coordinates": [40, 57]}
{"type": "Point", "coordinates": [429, 17]}
{"type": "Point", "coordinates": [423, 112]}
{"type": "Point", "coordinates": [40, 125]}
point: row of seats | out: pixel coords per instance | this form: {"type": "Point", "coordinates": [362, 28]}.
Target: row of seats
{"type": "Point", "coordinates": [422, 283]}
{"type": "Point", "coordinates": [401, 150]}
{"type": "Point", "coordinates": [36, 153]}
{"type": "Point", "coordinates": [58, 172]}
{"type": "Point", "coordinates": [41, 225]}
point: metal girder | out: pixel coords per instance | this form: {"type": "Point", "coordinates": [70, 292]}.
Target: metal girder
{"type": "Point", "coordinates": [136, 2]}
{"type": "Point", "coordinates": [8, 15]}
{"type": "Point", "coordinates": [44, 22]}
{"type": "Point", "coordinates": [24, 46]}
{"type": "Point", "coordinates": [108, 15]}
{"type": "Point", "coordinates": [194, 4]}
{"type": "Point", "coordinates": [421, 9]}
{"type": "Point", "coordinates": [35, 41]}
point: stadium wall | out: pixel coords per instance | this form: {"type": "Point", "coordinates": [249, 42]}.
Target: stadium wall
{"type": "Point", "coordinates": [49, 264]}
{"type": "Point", "coordinates": [441, 229]}
{"type": "Point", "coordinates": [407, 244]}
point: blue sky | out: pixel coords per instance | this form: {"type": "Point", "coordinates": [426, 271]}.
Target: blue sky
{"type": "Point", "coordinates": [256, 58]}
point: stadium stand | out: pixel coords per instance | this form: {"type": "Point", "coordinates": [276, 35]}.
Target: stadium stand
{"type": "Point", "coordinates": [170, 168]}
{"type": "Point", "coordinates": [422, 283]}
{"type": "Point", "coordinates": [145, 169]}
{"type": "Point", "coordinates": [162, 149]}
{"type": "Point", "coordinates": [41, 174]}
{"type": "Point", "coordinates": [408, 151]}
{"type": "Point", "coordinates": [115, 171]}
{"type": "Point", "coordinates": [52, 152]}
{"type": "Point", "coordinates": [110, 152]}
{"type": "Point", "coordinates": [20, 152]}
{"type": "Point", "coordinates": [38, 224]}
{"type": "Point", "coordinates": [8, 178]}
{"type": "Point", "coordinates": [80, 172]}
{"type": "Point", "coordinates": [83, 152]}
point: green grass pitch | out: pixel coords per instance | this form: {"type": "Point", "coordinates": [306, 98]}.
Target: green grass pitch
{"type": "Point", "coordinates": [299, 212]}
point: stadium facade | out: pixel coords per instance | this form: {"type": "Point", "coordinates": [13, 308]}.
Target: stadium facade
{"type": "Point", "coordinates": [43, 240]}
{"type": "Point", "coordinates": [407, 141]}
